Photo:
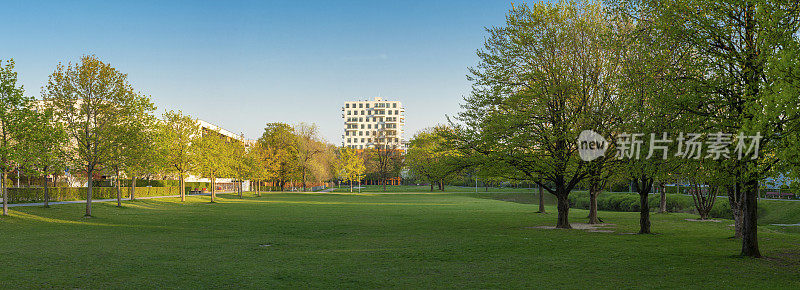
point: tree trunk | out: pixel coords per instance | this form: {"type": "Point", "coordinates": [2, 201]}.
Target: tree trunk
{"type": "Point", "coordinates": [662, 207]}
{"type": "Point", "coordinates": [441, 185]}
{"type": "Point", "coordinates": [133, 188]}
{"type": "Point", "coordinates": [734, 200]}
{"type": "Point", "coordinates": [351, 186]}
{"type": "Point", "coordinates": [541, 200]}
{"type": "Point", "coordinates": [749, 221]}
{"type": "Point", "coordinates": [737, 222]}
{"type": "Point", "coordinates": [593, 219]}
{"type": "Point", "coordinates": [47, 191]}
{"type": "Point", "coordinates": [182, 184]}
{"type": "Point", "coordinates": [432, 186]}
{"type": "Point", "coordinates": [119, 190]}
{"type": "Point", "coordinates": [213, 190]}
{"type": "Point", "coordinates": [752, 72]}
{"type": "Point", "coordinates": [304, 180]}
{"type": "Point", "coordinates": [644, 213]}
{"type": "Point", "coordinates": [5, 193]}
{"type": "Point", "coordinates": [89, 193]}
{"type": "Point", "coordinates": [563, 211]}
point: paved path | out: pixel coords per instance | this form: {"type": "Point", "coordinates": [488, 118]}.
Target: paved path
{"type": "Point", "coordinates": [98, 200]}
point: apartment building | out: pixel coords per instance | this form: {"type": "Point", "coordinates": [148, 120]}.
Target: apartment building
{"type": "Point", "coordinates": [374, 123]}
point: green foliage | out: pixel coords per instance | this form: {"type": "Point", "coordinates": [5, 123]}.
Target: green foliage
{"type": "Point", "coordinates": [211, 155]}
{"type": "Point", "coordinates": [177, 133]}
{"type": "Point", "coordinates": [97, 105]}
{"type": "Point", "coordinates": [431, 159]}
{"type": "Point", "coordinates": [259, 163]}
{"type": "Point", "coordinates": [280, 144]}
{"type": "Point", "coordinates": [542, 79]}
{"type": "Point", "coordinates": [13, 112]}
{"type": "Point", "coordinates": [42, 141]}
{"type": "Point", "coordinates": [349, 166]}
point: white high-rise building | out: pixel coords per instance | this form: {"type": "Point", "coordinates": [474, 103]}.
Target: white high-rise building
{"type": "Point", "coordinates": [371, 123]}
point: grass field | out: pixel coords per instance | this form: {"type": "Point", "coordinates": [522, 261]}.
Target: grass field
{"type": "Point", "coordinates": [453, 240]}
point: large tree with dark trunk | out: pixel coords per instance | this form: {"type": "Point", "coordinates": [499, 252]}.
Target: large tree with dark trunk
{"type": "Point", "coordinates": [534, 91]}
{"type": "Point", "coordinates": [648, 126]}
{"type": "Point", "coordinates": [746, 56]}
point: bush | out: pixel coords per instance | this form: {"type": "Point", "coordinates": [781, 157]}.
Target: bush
{"type": "Point", "coordinates": [24, 195]}
{"type": "Point", "coordinates": [629, 202]}
{"type": "Point", "coordinates": [624, 201]}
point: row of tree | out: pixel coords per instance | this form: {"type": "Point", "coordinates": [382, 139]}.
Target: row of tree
{"type": "Point", "coordinates": [301, 155]}
{"type": "Point", "coordinates": [91, 120]}
{"type": "Point", "coordinates": [723, 70]}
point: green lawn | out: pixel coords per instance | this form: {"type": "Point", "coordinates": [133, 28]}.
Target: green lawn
{"type": "Point", "coordinates": [394, 240]}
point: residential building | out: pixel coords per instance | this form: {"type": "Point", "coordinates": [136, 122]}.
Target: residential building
{"type": "Point", "coordinates": [373, 123]}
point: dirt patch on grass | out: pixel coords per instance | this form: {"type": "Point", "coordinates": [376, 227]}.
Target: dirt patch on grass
{"type": "Point", "coordinates": [699, 220]}
{"type": "Point", "coordinates": [788, 259]}
{"type": "Point", "coordinates": [592, 228]}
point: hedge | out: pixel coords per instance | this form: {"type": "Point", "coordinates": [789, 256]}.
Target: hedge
{"type": "Point", "coordinates": [624, 201]}
{"type": "Point", "coordinates": [24, 195]}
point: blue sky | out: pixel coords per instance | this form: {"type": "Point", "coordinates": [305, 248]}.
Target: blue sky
{"type": "Point", "coordinates": [241, 64]}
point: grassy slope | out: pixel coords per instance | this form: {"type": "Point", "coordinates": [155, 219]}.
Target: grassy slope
{"type": "Point", "coordinates": [317, 240]}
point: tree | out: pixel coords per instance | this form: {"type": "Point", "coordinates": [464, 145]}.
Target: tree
{"type": "Point", "coordinates": [429, 157]}
{"type": "Point", "coordinates": [309, 145]}
{"type": "Point", "coordinates": [259, 164]}
{"type": "Point", "coordinates": [92, 98]}
{"type": "Point", "coordinates": [533, 91]}
{"type": "Point", "coordinates": [238, 163]}
{"type": "Point", "coordinates": [645, 89]}
{"type": "Point", "coordinates": [280, 142]}
{"type": "Point", "coordinates": [703, 198]}
{"type": "Point", "coordinates": [42, 140]}
{"type": "Point", "coordinates": [746, 53]}
{"type": "Point", "coordinates": [179, 132]}
{"type": "Point", "coordinates": [386, 158]}
{"type": "Point", "coordinates": [12, 112]}
{"type": "Point", "coordinates": [142, 153]}
{"type": "Point", "coordinates": [350, 166]}
{"type": "Point", "coordinates": [136, 149]}
{"type": "Point", "coordinates": [212, 158]}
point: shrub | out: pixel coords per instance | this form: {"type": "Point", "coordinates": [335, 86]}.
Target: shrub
{"type": "Point", "coordinates": [629, 202]}
{"type": "Point", "coordinates": [24, 195]}
{"type": "Point", "coordinates": [624, 201]}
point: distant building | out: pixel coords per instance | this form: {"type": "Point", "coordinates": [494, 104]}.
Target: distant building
{"type": "Point", "coordinates": [373, 123]}
{"type": "Point", "coordinates": [224, 184]}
